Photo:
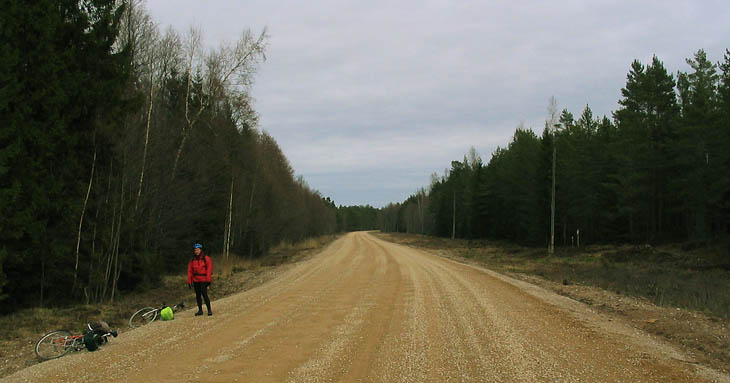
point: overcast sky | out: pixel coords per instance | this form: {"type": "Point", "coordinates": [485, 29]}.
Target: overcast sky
{"type": "Point", "coordinates": [368, 98]}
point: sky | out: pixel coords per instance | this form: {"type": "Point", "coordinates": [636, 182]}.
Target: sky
{"type": "Point", "coordinates": [367, 99]}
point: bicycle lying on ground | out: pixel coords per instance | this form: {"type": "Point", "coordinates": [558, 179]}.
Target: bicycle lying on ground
{"type": "Point", "coordinates": [147, 315]}
{"type": "Point", "coordinates": [58, 343]}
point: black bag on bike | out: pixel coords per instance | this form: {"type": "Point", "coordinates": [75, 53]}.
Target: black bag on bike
{"type": "Point", "coordinates": [94, 337]}
{"type": "Point", "coordinates": [91, 341]}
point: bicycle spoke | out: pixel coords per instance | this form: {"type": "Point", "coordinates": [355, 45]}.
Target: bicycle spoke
{"type": "Point", "coordinates": [54, 344]}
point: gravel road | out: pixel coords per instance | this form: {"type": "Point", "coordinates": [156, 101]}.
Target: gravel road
{"type": "Point", "coordinates": [369, 310]}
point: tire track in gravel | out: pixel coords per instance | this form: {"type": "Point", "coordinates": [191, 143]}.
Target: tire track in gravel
{"type": "Point", "coordinates": [474, 335]}
{"type": "Point", "coordinates": [339, 340]}
{"type": "Point", "coordinates": [402, 356]}
{"type": "Point", "coordinates": [465, 330]}
{"type": "Point", "coordinates": [372, 311]}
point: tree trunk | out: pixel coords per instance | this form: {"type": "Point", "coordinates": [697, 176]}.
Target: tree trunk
{"type": "Point", "coordinates": [419, 200]}
{"type": "Point", "coordinates": [146, 143]}
{"type": "Point", "coordinates": [453, 219]}
{"type": "Point", "coordinates": [115, 253]}
{"type": "Point", "coordinates": [551, 249]}
{"type": "Point", "coordinates": [227, 224]}
{"type": "Point", "coordinates": [248, 216]}
{"type": "Point", "coordinates": [81, 221]}
{"type": "Point", "coordinates": [194, 42]}
{"type": "Point", "coordinates": [109, 255]}
{"type": "Point", "coordinates": [179, 153]}
{"type": "Point", "coordinates": [230, 219]}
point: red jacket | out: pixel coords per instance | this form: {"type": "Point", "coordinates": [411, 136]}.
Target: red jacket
{"type": "Point", "coordinates": [200, 269]}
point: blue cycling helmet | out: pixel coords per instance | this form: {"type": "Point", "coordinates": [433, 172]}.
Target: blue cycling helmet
{"type": "Point", "coordinates": [197, 246]}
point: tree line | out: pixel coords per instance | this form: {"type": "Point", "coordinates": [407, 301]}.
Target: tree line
{"type": "Point", "coordinates": [122, 144]}
{"type": "Point", "coordinates": [657, 171]}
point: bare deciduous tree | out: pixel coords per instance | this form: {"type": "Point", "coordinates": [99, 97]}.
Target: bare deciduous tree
{"type": "Point", "coordinates": [551, 124]}
{"type": "Point", "coordinates": [229, 71]}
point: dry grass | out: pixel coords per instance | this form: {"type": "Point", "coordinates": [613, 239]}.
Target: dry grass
{"type": "Point", "coordinates": [307, 244]}
{"type": "Point", "coordinates": [227, 266]}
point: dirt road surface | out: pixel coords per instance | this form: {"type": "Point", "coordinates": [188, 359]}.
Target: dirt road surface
{"type": "Point", "coordinates": [372, 311]}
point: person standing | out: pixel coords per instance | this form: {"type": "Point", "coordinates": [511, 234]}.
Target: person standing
{"type": "Point", "coordinates": [200, 271]}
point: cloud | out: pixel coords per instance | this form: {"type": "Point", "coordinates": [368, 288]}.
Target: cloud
{"type": "Point", "coordinates": [391, 149]}
{"type": "Point", "coordinates": [367, 99]}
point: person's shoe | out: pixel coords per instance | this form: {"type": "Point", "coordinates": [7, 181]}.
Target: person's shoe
{"type": "Point", "coordinates": [199, 313]}
{"type": "Point", "coordinates": [210, 313]}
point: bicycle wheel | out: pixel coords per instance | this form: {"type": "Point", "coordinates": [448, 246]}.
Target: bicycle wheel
{"type": "Point", "coordinates": [143, 316]}
{"type": "Point", "coordinates": [54, 345]}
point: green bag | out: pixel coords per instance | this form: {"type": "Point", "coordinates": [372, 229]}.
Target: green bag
{"type": "Point", "coordinates": [166, 313]}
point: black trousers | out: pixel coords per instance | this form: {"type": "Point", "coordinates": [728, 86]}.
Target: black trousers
{"type": "Point", "coordinates": [201, 290]}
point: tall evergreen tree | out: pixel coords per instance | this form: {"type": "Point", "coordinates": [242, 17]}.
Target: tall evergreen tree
{"type": "Point", "coordinates": [647, 124]}
{"type": "Point", "coordinates": [697, 93]}
{"type": "Point", "coordinates": [719, 144]}
{"type": "Point", "coordinates": [61, 87]}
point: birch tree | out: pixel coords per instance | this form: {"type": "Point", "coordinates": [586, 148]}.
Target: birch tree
{"type": "Point", "coordinates": [229, 70]}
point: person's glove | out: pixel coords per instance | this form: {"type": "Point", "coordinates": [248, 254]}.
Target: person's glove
{"type": "Point", "coordinates": [207, 284]}
{"type": "Point", "coordinates": [190, 286]}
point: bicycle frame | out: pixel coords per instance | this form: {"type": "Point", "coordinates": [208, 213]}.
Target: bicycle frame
{"type": "Point", "coordinates": [75, 342]}
{"type": "Point", "coordinates": [60, 342]}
